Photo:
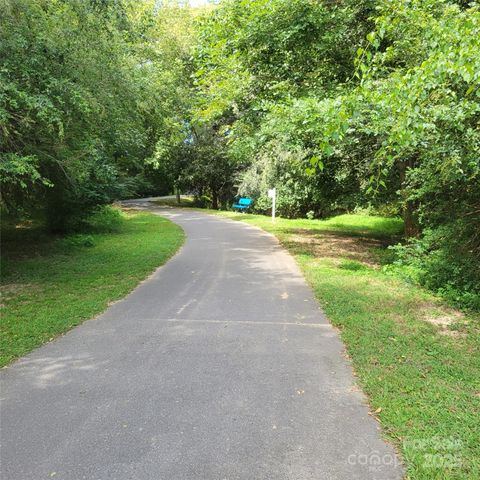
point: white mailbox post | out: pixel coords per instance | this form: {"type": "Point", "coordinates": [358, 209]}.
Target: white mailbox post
{"type": "Point", "coordinates": [272, 193]}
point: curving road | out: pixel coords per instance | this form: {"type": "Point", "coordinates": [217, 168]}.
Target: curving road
{"type": "Point", "coordinates": [220, 366]}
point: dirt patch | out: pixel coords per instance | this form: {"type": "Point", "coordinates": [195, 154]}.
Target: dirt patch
{"type": "Point", "coordinates": [338, 247]}
{"type": "Point", "coordinates": [12, 290]}
{"type": "Point", "coordinates": [452, 333]}
{"type": "Point", "coordinates": [443, 318]}
{"type": "Point", "coordinates": [130, 212]}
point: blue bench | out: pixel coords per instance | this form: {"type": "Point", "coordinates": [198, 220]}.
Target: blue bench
{"type": "Point", "coordinates": [242, 204]}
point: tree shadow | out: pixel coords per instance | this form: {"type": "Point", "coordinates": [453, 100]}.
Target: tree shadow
{"type": "Point", "coordinates": [338, 245]}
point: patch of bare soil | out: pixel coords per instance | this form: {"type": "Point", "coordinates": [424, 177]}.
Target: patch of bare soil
{"type": "Point", "coordinates": [11, 290]}
{"type": "Point", "coordinates": [443, 318]}
{"type": "Point", "coordinates": [338, 247]}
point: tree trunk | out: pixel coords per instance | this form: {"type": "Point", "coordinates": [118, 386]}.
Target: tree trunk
{"type": "Point", "coordinates": [412, 227]}
{"type": "Point", "coordinates": [177, 192]}
{"type": "Point", "coordinates": [410, 220]}
{"type": "Point", "coordinates": [214, 200]}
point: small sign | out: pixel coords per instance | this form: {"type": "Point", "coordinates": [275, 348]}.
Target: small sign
{"type": "Point", "coordinates": [271, 193]}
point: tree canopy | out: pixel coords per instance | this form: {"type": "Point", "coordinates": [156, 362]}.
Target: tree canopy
{"type": "Point", "coordinates": [87, 89]}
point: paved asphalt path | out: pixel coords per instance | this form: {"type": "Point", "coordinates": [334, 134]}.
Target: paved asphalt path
{"type": "Point", "coordinates": [220, 366]}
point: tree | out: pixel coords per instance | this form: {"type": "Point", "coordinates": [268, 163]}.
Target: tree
{"type": "Point", "coordinates": [87, 89]}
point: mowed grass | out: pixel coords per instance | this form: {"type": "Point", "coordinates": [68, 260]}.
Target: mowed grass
{"type": "Point", "coordinates": [417, 360]}
{"type": "Point", "coordinates": [51, 284]}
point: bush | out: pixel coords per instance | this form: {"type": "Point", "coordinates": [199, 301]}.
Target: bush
{"type": "Point", "coordinates": [79, 240]}
{"type": "Point", "coordinates": [105, 219]}
{"type": "Point", "coordinates": [353, 266]}
{"type": "Point", "coordinates": [201, 201]}
{"type": "Point", "coordinates": [441, 262]}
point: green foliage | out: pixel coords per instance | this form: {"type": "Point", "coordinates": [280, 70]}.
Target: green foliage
{"type": "Point", "coordinates": [86, 91]}
{"type": "Point", "coordinates": [264, 68]}
{"type": "Point", "coordinates": [352, 265]}
{"type": "Point", "coordinates": [105, 219]}
{"type": "Point", "coordinates": [440, 261]}
{"type": "Point", "coordinates": [420, 101]}
{"type": "Point", "coordinates": [393, 126]}
{"type": "Point", "coordinates": [251, 53]}
{"type": "Point", "coordinates": [79, 240]}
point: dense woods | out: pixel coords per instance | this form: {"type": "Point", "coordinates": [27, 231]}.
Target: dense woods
{"type": "Point", "coordinates": [371, 105]}
{"type": "Point", "coordinates": [87, 91]}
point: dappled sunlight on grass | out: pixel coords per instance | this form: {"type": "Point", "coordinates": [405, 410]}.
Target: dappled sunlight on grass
{"type": "Point", "coordinates": [347, 224]}
{"type": "Point", "coordinates": [171, 201]}
{"type": "Point", "coordinates": [335, 246]}
{"type": "Point", "coordinates": [379, 227]}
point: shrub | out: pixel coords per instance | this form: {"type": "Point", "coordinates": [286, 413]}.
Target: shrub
{"type": "Point", "coordinates": [441, 262]}
{"type": "Point", "coordinates": [353, 265]}
{"type": "Point", "coordinates": [79, 240]}
{"type": "Point", "coordinates": [104, 219]}
{"type": "Point", "coordinates": [201, 201]}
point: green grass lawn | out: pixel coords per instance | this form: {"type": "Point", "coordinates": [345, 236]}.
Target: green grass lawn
{"type": "Point", "coordinates": [51, 284]}
{"type": "Point", "coordinates": [417, 360]}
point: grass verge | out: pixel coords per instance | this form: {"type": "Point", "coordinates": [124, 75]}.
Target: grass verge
{"type": "Point", "coordinates": [50, 284]}
{"type": "Point", "coordinates": [417, 360]}
{"type": "Point", "coordinates": [171, 201]}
